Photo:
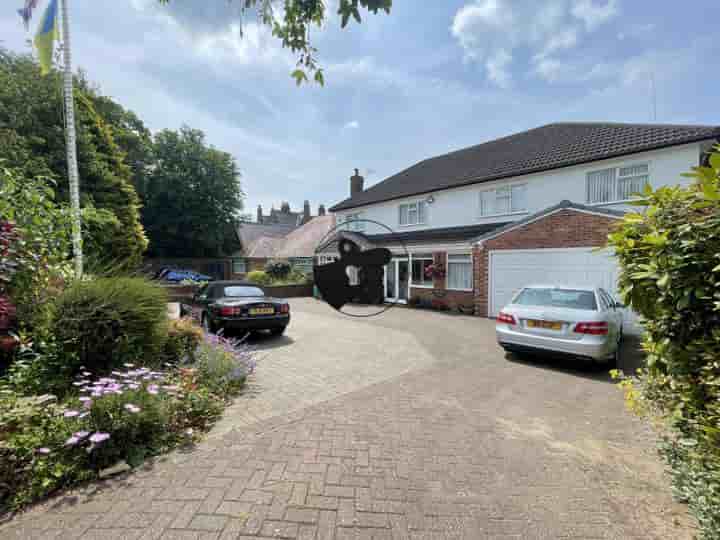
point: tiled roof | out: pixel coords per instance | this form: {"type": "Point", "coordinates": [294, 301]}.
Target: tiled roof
{"type": "Point", "coordinates": [450, 234]}
{"type": "Point", "coordinates": [544, 148]}
{"type": "Point", "coordinates": [303, 241]}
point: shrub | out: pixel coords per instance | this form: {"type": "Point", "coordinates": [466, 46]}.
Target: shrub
{"type": "Point", "coordinates": [106, 322]}
{"type": "Point", "coordinates": [259, 278]}
{"type": "Point", "coordinates": [670, 274]}
{"type": "Point", "coordinates": [278, 270]}
{"type": "Point", "coordinates": [223, 364]}
{"type": "Point", "coordinates": [183, 338]}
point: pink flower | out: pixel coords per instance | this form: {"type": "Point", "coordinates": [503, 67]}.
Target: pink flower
{"type": "Point", "coordinates": [153, 389]}
{"type": "Point", "coordinates": [44, 451]}
{"type": "Point", "coordinates": [98, 437]}
{"type": "Point", "coordinates": [83, 415]}
{"type": "Point", "coordinates": [81, 434]}
{"type": "Point", "coordinates": [84, 399]}
{"type": "Point", "coordinates": [132, 408]}
{"type": "Point", "coordinates": [71, 414]}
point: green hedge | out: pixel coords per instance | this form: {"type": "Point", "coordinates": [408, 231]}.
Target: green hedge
{"type": "Point", "coordinates": [106, 322]}
{"type": "Point", "coordinates": [669, 255]}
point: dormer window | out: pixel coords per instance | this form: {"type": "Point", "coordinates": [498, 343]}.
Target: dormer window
{"type": "Point", "coordinates": [413, 213]}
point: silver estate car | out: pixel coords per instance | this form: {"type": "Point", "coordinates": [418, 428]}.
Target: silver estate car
{"type": "Point", "coordinates": [585, 322]}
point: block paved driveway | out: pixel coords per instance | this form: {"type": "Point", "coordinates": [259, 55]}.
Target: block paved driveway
{"type": "Point", "coordinates": [409, 426]}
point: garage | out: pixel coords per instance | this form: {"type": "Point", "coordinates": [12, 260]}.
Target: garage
{"type": "Point", "coordinates": [563, 244]}
{"type": "Point", "coordinates": [510, 270]}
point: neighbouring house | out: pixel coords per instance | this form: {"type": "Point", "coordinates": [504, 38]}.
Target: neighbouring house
{"type": "Point", "coordinates": [530, 207]}
{"type": "Point", "coordinates": [277, 240]}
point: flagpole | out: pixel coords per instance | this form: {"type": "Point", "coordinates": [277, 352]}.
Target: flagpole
{"type": "Point", "coordinates": [71, 143]}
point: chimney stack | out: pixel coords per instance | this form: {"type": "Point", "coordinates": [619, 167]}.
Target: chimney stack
{"type": "Point", "coordinates": [259, 214]}
{"type": "Point", "coordinates": [356, 183]}
{"type": "Point", "coordinates": [321, 210]}
{"type": "Point", "coordinates": [285, 207]}
{"type": "Point", "coordinates": [306, 211]}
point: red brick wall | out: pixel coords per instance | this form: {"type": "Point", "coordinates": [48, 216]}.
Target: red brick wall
{"type": "Point", "coordinates": [563, 229]}
{"type": "Point", "coordinates": [439, 293]}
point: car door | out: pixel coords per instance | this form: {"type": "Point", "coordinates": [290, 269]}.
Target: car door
{"type": "Point", "coordinates": [618, 310]}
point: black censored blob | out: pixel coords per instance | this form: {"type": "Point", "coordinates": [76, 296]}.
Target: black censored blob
{"type": "Point", "coordinates": [355, 274]}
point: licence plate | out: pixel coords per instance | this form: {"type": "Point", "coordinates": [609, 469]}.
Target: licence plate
{"type": "Point", "coordinates": [262, 311]}
{"type": "Point", "coordinates": [551, 325]}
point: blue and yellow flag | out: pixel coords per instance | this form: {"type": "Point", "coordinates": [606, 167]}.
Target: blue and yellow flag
{"type": "Point", "coordinates": [46, 35]}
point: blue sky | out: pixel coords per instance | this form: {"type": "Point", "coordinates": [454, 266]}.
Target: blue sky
{"type": "Point", "coordinates": [432, 76]}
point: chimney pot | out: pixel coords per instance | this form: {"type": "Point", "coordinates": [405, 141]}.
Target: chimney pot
{"type": "Point", "coordinates": [321, 210]}
{"type": "Point", "coordinates": [356, 183]}
{"type": "Point", "coordinates": [306, 211]}
{"type": "Point", "coordinates": [259, 214]}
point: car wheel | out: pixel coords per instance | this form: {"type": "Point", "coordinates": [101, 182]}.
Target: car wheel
{"type": "Point", "coordinates": [278, 331]}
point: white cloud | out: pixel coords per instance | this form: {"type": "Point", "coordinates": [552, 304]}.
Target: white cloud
{"type": "Point", "coordinates": [592, 14]}
{"type": "Point", "coordinates": [353, 124]}
{"type": "Point", "coordinates": [497, 68]}
{"type": "Point", "coordinates": [491, 31]}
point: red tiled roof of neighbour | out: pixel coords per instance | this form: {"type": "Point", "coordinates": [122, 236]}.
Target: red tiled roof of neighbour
{"type": "Point", "coordinates": [544, 148]}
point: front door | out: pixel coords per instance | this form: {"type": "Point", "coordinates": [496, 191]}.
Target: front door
{"type": "Point", "coordinates": [397, 280]}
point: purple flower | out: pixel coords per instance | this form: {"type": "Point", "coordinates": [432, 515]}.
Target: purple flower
{"type": "Point", "coordinates": [44, 451]}
{"type": "Point", "coordinates": [153, 389]}
{"type": "Point", "coordinates": [83, 415]}
{"type": "Point", "coordinates": [98, 437]}
{"type": "Point", "coordinates": [81, 434]}
{"type": "Point", "coordinates": [129, 365]}
{"type": "Point", "coordinates": [132, 408]}
{"type": "Point", "coordinates": [86, 373]}
{"type": "Point", "coordinates": [72, 441]}
{"type": "Point", "coordinates": [84, 399]}
{"type": "Point", "coordinates": [133, 386]}
{"type": "Point", "coordinates": [71, 414]}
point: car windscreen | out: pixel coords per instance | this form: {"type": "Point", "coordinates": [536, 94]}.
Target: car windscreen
{"type": "Point", "coordinates": [561, 298]}
{"type": "Point", "coordinates": [241, 291]}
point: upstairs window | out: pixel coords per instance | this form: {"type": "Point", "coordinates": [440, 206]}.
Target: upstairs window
{"type": "Point", "coordinates": [616, 184]}
{"type": "Point", "coordinates": [503, 200]}
{"type": "Point", "coordinates": [239, 266]}
{"type": "Point", "coordinates": [353, 222]}
{"type": "Point", "coordinates": [413, 213]}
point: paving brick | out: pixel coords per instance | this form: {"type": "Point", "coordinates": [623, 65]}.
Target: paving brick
{"type": "Point", "coordinates": [302, 515]}
{"type": "Point", "coordinates": [279, 529]}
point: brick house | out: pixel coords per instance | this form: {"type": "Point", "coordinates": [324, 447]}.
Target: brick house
{"type": "Point", "coordinates": [531, 207]}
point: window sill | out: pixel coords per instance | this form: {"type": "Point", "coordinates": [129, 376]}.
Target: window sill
{"type": "Point", "coordinates": [416, 286]}
{"type": "Point", "coordinates": [459, 290]}
{"type": "Point", "coordinates": [519, 213]}
{"type": "Point", "coordinates": [624, 201]}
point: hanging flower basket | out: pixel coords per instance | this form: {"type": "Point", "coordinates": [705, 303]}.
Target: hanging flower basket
{"type": "Point", "coordinates": [435, 271]}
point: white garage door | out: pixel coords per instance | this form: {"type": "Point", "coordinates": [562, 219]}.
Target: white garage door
{"type": "Point", "coordinates": [511, 270]}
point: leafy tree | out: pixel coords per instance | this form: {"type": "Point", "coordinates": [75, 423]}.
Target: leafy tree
{"type": "Point", "coordinates": [193, 197]}
{"type": "Point", "coordinates": [292, 28]}
{"type": "Point", "coordinates": [32, 141]}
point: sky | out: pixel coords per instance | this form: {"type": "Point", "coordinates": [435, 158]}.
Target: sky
{"type": "Point", "coordinates": [430, 77]}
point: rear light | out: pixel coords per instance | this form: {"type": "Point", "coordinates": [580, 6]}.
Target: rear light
{"type": "Point", "coordinates": [227, 311]}
{"type": "Point", "coordinates": [506, 318]}
{"type": "Point", "coordinates": [599, 328]}
{"type": "Point", "coordinates": [285, 308]}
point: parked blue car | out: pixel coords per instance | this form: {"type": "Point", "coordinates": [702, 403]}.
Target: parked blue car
{"type": "Point", "coordinates": [176, 275]}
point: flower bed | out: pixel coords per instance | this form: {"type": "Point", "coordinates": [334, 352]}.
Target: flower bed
{"type": "Point", "coordinates": [119, 418]}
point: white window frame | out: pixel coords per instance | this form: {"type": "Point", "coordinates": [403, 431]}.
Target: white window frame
{"type": "Point", "coordinates": [353, 222]}
{"type": "Point", "coordinates": [416, 205]}
{"type": "Point", "coordinates": [421, 257]}
{"type": "Point", "coordinates": [510, 211]}
{"type": "Point", "coordinates": [447, 272]}
{"type": "Point", "coordinates": [617, 168]}
{"type": "Point", "coordinates": [236, 260]}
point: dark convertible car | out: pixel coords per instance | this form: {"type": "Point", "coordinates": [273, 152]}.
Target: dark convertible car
{"type": "Point", "coordinates": [239, 306]}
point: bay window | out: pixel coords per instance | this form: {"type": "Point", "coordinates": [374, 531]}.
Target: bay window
{"type": "Point", "coordinates": [420, 263]}
{"type": "Point", "coordinates": [459, 272]}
